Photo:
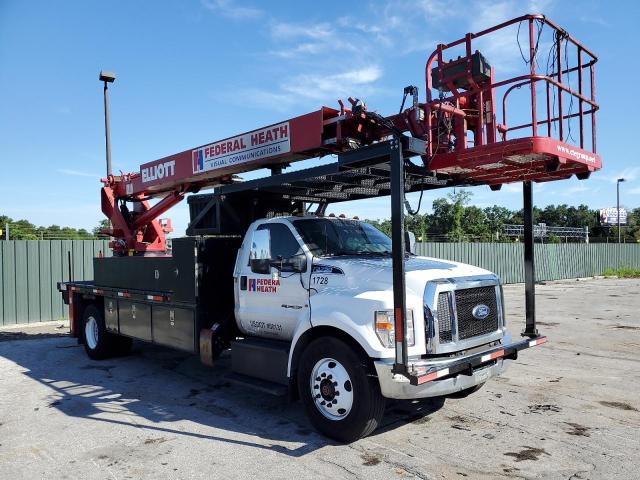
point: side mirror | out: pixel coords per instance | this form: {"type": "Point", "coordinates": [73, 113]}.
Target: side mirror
{"type": "Point", "coordinates": [260, 252]}
{"type": "Point", "coordinates": [298, 263]}
{"type": "Point", "coordinates": [260, 245]}
{"type": "Point", "coordinates": [262, 266]}
{"type": "Point", "coordinates": [410, 242]}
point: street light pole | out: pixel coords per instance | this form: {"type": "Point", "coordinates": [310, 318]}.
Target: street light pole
{"type": "Point", "coordinates": [618, 182]}
{"type": "Point", "coordinates": [107, 77]}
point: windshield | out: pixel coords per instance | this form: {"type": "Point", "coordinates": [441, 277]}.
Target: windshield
{"type": "Point", "coordinates": [326, 237]}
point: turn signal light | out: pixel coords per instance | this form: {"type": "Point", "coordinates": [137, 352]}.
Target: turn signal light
{"type": "Point", "coordinates": [386, 331]}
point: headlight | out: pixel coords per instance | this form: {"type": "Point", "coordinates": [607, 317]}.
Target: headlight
{"type": "Point", "coordinates": [384, 323]}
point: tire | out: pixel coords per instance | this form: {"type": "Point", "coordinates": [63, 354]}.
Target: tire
{"type": "Point", "coordinates": [98, 343]}
{"type": "Point", "coordinates": [465, 393]}
{"type": "Point", "coordinates": [341, 399]}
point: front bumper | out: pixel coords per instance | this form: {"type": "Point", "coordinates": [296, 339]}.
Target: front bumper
{"type": "Point", "coordinates": [431, 378]}
{"type": "Point", "coordinates": [398, 387]}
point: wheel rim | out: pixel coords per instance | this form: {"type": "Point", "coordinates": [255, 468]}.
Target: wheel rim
{"type": "Point", "coordinates": [331, 389]}
{"type": "Point", "coordinates": [91, 332]}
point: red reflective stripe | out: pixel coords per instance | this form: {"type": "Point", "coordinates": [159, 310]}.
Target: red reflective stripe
{"type": "Point", "coordinates": [492, 356]}
{"type": "Point", "coordinates": [72, 316]}
{"type": "Point", "coordinates": [426, 378]}
{"type": "Point", "coordinates": [537, 341]}
{"type": "Point", "coordinates": [124, 294]}
{"type": "Point", "coordinates": [157, 298]}
{"type": "Point", "coordinates": [97, 291]}
{"type": "Point", "coordinates": [398, 322]}
{"type": "Point", "coordinates": [433, 375]}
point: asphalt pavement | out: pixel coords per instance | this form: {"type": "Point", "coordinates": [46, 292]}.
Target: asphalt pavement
{"type": "Point", "coordinates": [569, 409]}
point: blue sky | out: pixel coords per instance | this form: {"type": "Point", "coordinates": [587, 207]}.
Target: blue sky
{"type": "Point", "coordinates": [191, 72]}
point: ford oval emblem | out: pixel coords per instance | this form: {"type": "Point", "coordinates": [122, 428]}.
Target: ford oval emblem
{"type": "Point", "coordinates": [480, 311]}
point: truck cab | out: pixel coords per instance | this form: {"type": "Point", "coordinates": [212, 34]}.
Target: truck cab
{"type": "Point", "coordinates": [302, 278]}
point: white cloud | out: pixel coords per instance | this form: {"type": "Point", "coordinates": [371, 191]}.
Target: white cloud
{"type": "Point", "coordinates": [316, 88]}
{"type": "Point", "coordinates": [512, 187]}
{"type": "Point", "coordinates": [285, 30]}
{"type": "Point", "coordinates": [505, 48]}
{"type": "Point", "coordinates": [595, 20]}
{"type": "Point", "coordinates": [229, 9]}
{"type": "Point", "coordinates": [580, 188]}
{"type": "Point", "coordinates": [629, 174]}
{"type": "Point", "coordinates": [300, 40]}
{"type": "Point", "coordinates": [337, 85]}
{"type": "Point", "coordinates": [437, 10]}
{"type": "Point", "coordinates": [300, 49]}
{"type": "Point", "coordinates": [267, 99]}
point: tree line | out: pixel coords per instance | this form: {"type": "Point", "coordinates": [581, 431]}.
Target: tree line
{"type": "Point", "coordinates": [25, 230]}
{"type": "Point", "coordinates": [454, 220]}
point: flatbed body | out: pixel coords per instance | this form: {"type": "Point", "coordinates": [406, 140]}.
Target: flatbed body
{"type": "Point", "coordinates": [167, 299]}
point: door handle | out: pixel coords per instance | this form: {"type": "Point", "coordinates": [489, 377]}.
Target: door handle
{"type": "Point", "coordinates": [243, 282]}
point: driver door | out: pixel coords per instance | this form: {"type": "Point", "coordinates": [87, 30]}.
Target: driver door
{"type": "Point", "coordinates": [272, 296]}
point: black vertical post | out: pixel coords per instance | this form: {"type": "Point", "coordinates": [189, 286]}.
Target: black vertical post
{"type": "Point", "coordinates": [70, 266]}
{"type": "Point", "coordinates": [529, 263]}
{"type": "Point", "coordinates": [398, 255]}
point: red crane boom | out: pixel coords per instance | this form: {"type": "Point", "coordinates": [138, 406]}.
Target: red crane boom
{"type": "Point", "coordinates": [465, 107]}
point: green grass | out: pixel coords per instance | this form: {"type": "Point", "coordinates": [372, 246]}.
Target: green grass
{"type": "Point", "coordinates": [622, 272]}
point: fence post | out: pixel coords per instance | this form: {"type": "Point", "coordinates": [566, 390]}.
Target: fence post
{"type": "Point", "coordinates": [70, 266]}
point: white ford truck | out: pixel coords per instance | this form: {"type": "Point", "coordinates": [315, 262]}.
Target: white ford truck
{"type": "Point", "coordinates": [307, 303]}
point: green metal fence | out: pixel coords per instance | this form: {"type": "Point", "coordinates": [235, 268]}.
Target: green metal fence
{"type": "Point", "coordinates": [553, 261]}
{"type": "Point", "coordinates": [29, 269]}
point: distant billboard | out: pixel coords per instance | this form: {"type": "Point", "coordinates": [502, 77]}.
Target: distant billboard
{"type": "Point", "coordinates": [609, 216]}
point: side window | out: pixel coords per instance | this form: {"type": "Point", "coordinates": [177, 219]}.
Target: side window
{"type": "Point", "coordinates": [275, 243]}
{"type": "Point", "coordinates": [283, 244]}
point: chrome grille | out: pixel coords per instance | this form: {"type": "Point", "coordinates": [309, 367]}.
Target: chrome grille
{"type": "Point", "coordinates": [454, 315]}
{"type": "Point", "coordinates": [466, 301]}
{"type": "Point", "coordinates": [445, 317]}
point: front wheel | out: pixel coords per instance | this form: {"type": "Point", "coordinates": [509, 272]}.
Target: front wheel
{"type": "Point", "coordinates": [342, 400]}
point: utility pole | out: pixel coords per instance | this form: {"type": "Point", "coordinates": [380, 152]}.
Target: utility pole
{"type": "Point", "coordinates": [6, 232]}
{"type": "Point", "coordinates": [107, 77]}
{"type": "Point", "coordinates": [618, 182]}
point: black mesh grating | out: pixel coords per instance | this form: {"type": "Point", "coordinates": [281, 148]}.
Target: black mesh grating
{"type": "Point", "coordinates": [444, 318]}
{"type": "Point", "coordinates": [466, 301]}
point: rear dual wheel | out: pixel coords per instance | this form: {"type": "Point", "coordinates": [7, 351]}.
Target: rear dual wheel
{"type": "Point", "coordinates": [98, 342]}
{"type": "Point", "coordinates": [343, 401]}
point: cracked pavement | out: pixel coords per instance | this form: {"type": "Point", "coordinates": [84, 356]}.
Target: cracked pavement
{"type": "Point", "coordinates": [567, 410]}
